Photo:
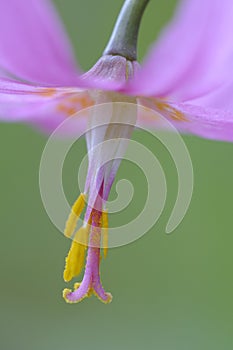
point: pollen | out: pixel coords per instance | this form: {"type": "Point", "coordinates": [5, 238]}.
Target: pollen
{"type": "Point", "coordinates": [74, 215]}
{"type": "Point", "coordinates": [76, 255]}
{"type": "Point", "coordinates": [105, 232]}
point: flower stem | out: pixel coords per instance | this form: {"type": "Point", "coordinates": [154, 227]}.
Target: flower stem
{"type": "Point", "coordinates": [123, 41]}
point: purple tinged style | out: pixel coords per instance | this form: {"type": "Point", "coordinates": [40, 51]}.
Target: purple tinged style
{"type": "Point", "coordinates": [186, 77]}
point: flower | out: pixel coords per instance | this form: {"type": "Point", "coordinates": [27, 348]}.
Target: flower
{"type": "Point", "coordinates": [186, 78]}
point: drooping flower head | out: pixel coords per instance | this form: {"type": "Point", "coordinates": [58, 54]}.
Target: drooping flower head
{"type": "Point", "coordinates": [186, 79]}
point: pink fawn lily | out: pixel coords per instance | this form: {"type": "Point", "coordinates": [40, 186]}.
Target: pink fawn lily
{"type": "Point", "coordinates": [186, 78]}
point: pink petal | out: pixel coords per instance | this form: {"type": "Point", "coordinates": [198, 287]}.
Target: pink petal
{"type": "Point", "coordinates": [33, 44]}
{"type": "Point", "coordinates": [194, 53]}
{"type": "Point", "coordinates": [220, 98]}
{"type": "Point", "coordinates": [40, 106]}
{"type": "Point", "coordinates": [211, 123]}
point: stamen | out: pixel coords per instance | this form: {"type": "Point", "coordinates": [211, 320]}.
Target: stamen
{"type": "Point", "coordinates": [76, 255]}
{"type": "Point", "coordinates": [74, 261]}
{"type": "Point", "coordinates": [105, 232]}
{"type": "Point", "coordinates": [74, 215]}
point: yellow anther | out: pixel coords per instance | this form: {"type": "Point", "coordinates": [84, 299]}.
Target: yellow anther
{"type": "Point", "coordinates": [77, 285]}
{"type": "Point", "coordinates": [74, 261]}
{"type": "Point", "coordinates": [74, 215]}
{"type": "Point", "coordinates": [76, 255]}
{"type": "Point", "coordinates": [81, 236]}
{"type": "Point", "coordinates": [105, 232]}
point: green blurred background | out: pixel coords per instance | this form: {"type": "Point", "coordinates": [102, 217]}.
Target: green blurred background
{"type": "Point", "coordinates": [170, 292]}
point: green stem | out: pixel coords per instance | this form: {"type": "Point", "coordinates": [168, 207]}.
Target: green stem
{"type": "Point", "coordinates": [123, 41]}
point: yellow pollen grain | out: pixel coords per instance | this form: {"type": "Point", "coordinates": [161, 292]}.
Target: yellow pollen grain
{"type": "Point", "coordinates": [76, 211]}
